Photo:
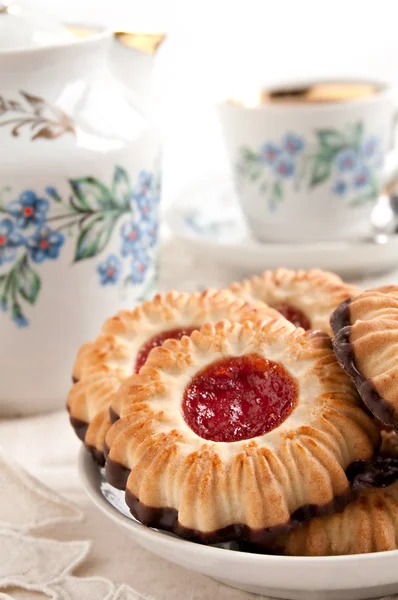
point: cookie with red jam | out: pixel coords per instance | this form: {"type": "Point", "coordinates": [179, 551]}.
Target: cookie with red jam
{"type": "Point", "coordinates": [238, 432]}
{"type": "Point", "coordinates": [369, 523]}
{"type": "Point", "coordinates": [365, 343]}
{"type": "Point", "coordinates": [124, 344]}
{"type": "Point", "coordinates": [306, 298]}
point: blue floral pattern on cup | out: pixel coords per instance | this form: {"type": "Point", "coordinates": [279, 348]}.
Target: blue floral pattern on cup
{"type": "Point", "coordinates": [347, 160]}
{"type": "Point", "coordinates": [139, 266]}
{"type": "Point", "coordinates": [131, 238]}
{"type": "Point", "coordinates": [293, 143]}
{"type": "Point", "coordinates": [269, 153]}
{"type": "Point", "coordinates": [34, 229]}
{"type": "Point", "coordinates": [109, 270]}
{"type": "Point", "coordinates": [355, 168]}
{"type": "Point", "coordinates": [272, 165]}
{"type": "Point", "coordinates": [9, 241]}
{"type": "Point", "coordinates": [29, 209]}
{"type": "Point", "coordinates": [45, 244]}
{"type": "Point", "coordinates": [339, 187]}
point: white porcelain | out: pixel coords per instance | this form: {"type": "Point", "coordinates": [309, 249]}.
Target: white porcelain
{"type": "Point", "coordinates": [297, 578]}
{"type": "Point", "coordinates": [23, 28]}
{"type": "Point", "coordinates": [209, 220]}
{"type": "Point", "coordinates": [79, 194]}
{"type": "Point", "coordinates": [309, 172]}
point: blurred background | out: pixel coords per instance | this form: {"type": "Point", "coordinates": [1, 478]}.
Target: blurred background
{"type": "Point", "coordinates": [213, 45]}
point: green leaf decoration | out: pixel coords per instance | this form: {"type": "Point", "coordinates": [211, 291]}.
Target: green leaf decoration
{"type": "Point", "coordinates": [121, 188]}
{"type": "Point", "coordinates": [356, 135]}
{"type": "Point", "coordinates": [321, 169]}
{"type": "Point", "coordinates": [330, 139]}
{"type": "Point", "coordinates": [369, 195]}
{"type": "Point", "coordinates": [277, 191]}
{"type": "Point", "coordinates": [28, 281]}
{"type": "Point", "coordinates": [91, 194]}
{"type": "Point", "coordinates": [95, 235]}
{"type": "Point", "coordinates": [248, 154]}
{"type": "Point", "coordinates": [375, 186]}
{"type": "Point", "coordinates": [254, 174]}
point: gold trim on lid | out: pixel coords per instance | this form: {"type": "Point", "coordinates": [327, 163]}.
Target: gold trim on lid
{"type": "Point", "coordinates": [81, 31]}
{"type": "Point", "coordinates": [145, 42]}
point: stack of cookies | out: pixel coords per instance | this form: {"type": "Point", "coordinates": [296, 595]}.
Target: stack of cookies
{"type": "Point", "coordinates": [264, 413]}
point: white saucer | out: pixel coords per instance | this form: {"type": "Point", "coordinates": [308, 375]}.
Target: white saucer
{"type": "Point", "coordinates": [209, 219]}
{"type": "Point", "coordinates": [298, 578]}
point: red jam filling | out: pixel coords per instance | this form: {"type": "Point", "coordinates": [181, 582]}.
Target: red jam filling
{"type": "Point", "coordinates": [238, 398]}
{"type": "Point", "coordinates": [157, 340]}
{"type": "Point", "coordinates": [294, 315]}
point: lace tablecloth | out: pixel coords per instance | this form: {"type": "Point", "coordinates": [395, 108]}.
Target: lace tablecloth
{"type": "Point", "coordinates": [61, 547]}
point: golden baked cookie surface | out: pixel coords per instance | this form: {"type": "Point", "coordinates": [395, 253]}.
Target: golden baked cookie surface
{"type": "Point", "coordinates": [255, 483]}
{"type": "Point", "coordinates": [307, 298]}
{"type": "Point", "coordinates": [367, 524]}
{"type": "Point", "coordinates": [366, 343]}
{"type": "Point", "coordinates": [126, 339]}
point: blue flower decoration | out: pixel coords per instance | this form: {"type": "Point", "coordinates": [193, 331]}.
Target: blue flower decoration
{"type": "Point", "coordinates": [150, 233]}
{"type": "Point", "coordinates": [45, 244]}
{"type": "Point", "coordinates": [144, 184]}
{"type": "Point", "coordinates": [340, 187]}
{"type": "Point", "coordinates": [19, 319]}
{"type": "Point", "coordinates": [362, 177]}
{"type": "Point", "coordinates": [347, 160]}
{"type": "Point", "coordinates": [9, 241]}
{"type": "Point", "coordinates": [293, 143]}
{"type": "Point", "coordinates": [109, 270]}
{"type": "Point", "coordinates": [284, 166]}
{"type": "Point", "coordinates": [139, 267]}
{"type": "Point", "coordinates": [370, 146]}
{"type": "Point", "coordinates": [29, 209]}
{"type": "Point", "coordinates": [131, 234]}
{"type": "Point", "coordinates": [145, 206]}
{"type": "Point", "coordinates": [269, 153]}
{"type": "Point", "coordinates": [52, 192]}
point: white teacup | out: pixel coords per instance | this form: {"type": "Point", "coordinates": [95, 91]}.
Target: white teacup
{"type": "Point", "coordinates": [308, 159]}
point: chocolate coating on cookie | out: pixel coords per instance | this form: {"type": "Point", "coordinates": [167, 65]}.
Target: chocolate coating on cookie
{"type": "Point", "coordinates": [167, 519]}
{"type": "Point", "coordinates": [113, 415]}
{"type": "Point", "coordinates": [345, 351]}
{"type": "Point", "coordinates": [367, 524]}
{"type": "Point", "coordinates": [116, 474]}
{"type": "Point", "coordinates": [80, 427]}
{"type": "Point", "coordinates": [381, 472]}
{"type": "Point", "coordinates": [97, 455]}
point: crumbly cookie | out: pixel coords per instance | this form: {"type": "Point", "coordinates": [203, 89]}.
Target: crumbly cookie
{"type": "Point", "coordinates": [366, 345]}
{"type": "Point", "coordinates": [123, 346]}
{"type": "Point", "coordinates": [367, 524]}
{"type": "Point", "coordinates": [306, 298]}
{"type": "Point", "coordinates": [236, 430]}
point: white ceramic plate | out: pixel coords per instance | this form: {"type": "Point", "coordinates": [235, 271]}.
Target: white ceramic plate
{"type": "Point", "coordinates": [208, 218]}
{"type": "Point", "coordinates": [322, 578]}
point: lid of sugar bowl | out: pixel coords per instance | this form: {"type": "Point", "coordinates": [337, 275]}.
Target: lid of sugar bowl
{"type": "Point", "coordinates": [22, 29]}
